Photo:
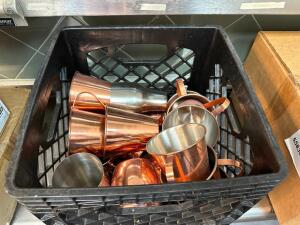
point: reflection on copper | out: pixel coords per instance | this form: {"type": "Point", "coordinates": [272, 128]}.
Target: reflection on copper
{"type": "Point", "coordinates": [159, 117]}
{"type": "Point", "coordinates": [86, 132]}
{"type": "Point", "coordinates": [135, 172]}
{"type": "Point", "coordinates": [159, 164]}
{"type": "Point", "coordinates": [85, 85]}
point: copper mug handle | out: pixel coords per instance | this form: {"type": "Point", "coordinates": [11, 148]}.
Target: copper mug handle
{"type": "Point", "coordinates": [228, 162]}
{"type": "Point", "coordinates": [180, 88]}
{"type": "Point", "coordinates": [85, 92]}
{"type": "Point", "coordinates": [223, 103]}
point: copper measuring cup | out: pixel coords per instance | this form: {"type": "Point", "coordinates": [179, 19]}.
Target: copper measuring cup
{"type": "Point", "coordinates": [183, 152]}
{"type": "Point", "coordinates": [184, 97]}
{"type": "Point", "coordinates": [127, 96]}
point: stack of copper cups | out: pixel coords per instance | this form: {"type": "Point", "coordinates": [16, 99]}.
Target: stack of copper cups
{"type": "Point", "coordinates": [130, 135]}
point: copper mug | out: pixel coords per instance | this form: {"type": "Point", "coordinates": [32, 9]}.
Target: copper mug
{"type": "Point", "coordinates": [116, 131]}
{"type": "Point", "coordinates": [127, 130]}
{"type": "Point", "coordinates": [80, 170]}
{"type": "Point", "coordinates": [126, 96]}
{"type": "Point", "coordinates": [135, 171]}
{"type": "Point", "coordinates": [86, 132]}
{"type": "Point", "coordinates": [184, 97]}
{"type": "Point", "coordinates": [194, 114]}
{"type": "Point", "coordinates": [183, 152]}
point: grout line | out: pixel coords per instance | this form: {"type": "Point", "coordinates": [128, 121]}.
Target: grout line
{"type": "Point", "coordinates": [1, 75]}
{"type": "Point", "coordinates": [38, 51]}
{"type": "Point", "coordinates": [170, 19]}
{"type": "Point", "coordinates": [22, 42]}
{"type": "Point", "coordinates": [152, 20]}
{"type": "Point", "coordinates": [80, 20]}
{"type": "Point", "coordinates": [235, 22]}
{"type": "Point", "coordinates": [257, 23]}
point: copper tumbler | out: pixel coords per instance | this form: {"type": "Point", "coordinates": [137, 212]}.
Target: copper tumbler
{"type": "Point", "coordinates": [183, 152]}
{"type": "Point", "coordinates": [127, 96]}
{"type": "Point", "coordinates": [86, 132]}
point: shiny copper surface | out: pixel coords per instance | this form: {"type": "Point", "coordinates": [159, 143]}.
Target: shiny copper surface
{"type": "Point", "coordinates": [82, 85]}
{"type": "Point", "coordinates": [126, 130]}
{"type": "Point", "coordinates": [135, 172]}
{"type": "Point", "coordinates": [182, 151]}
{"type": "Point", "coordinates": [86, 131]}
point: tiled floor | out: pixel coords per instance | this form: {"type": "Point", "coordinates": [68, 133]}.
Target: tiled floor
{"type": "Point", "coordinates": [23, 48]}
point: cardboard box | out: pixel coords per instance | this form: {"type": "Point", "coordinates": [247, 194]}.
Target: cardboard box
{"type": "Point", "coordinates": [15, 100]}
{"type": "Point", "coordinates": [273, 66]}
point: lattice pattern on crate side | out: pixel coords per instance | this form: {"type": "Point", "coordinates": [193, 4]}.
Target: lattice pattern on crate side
{"type": "Point", "coordinates": [160, 75]}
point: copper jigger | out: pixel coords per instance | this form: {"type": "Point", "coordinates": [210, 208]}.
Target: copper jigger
{"type": "Point", "coordinates": [135, 172]}
{"type": "Point", "coordinates": [183, 151]}
{"type": "Point", "coordinates": [86, 132]}
{"type": "Point", "coordinates": [127, 96]}
{"type": "Point", "coordinates": [127, 130]}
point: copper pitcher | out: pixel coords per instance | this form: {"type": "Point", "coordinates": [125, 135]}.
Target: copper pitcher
{"type": "Point", "coordinates": [183, 151]}
{"type": "Point", "coordinates": [128, 96]}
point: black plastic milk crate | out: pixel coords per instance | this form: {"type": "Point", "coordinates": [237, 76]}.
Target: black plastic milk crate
{"type": "Point", "coordinates": [153, 57]}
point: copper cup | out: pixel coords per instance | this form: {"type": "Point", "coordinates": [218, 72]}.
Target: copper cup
{"type": "Point", "coordinates": [183, 152]}
{"type": "Point", "coordinates": [127, 130]}
{"type": "Point", "coordinates": [86, 132]}
{"type": "Point", "coordinates": [82, 86]}
{"type": "Point", "coordinates": [116, 132]}
{"type": "Point", "coordinates": [135, 172]}
{"type": "Point", "coordinates": [127, 96]}
{"type": "Point", "coordinates": [184, 97]}
{"type": "Point", "coordinates": [80, 170]}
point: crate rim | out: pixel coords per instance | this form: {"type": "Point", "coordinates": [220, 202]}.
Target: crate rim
{"type": "Point", "coordinates": [18, 192]}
